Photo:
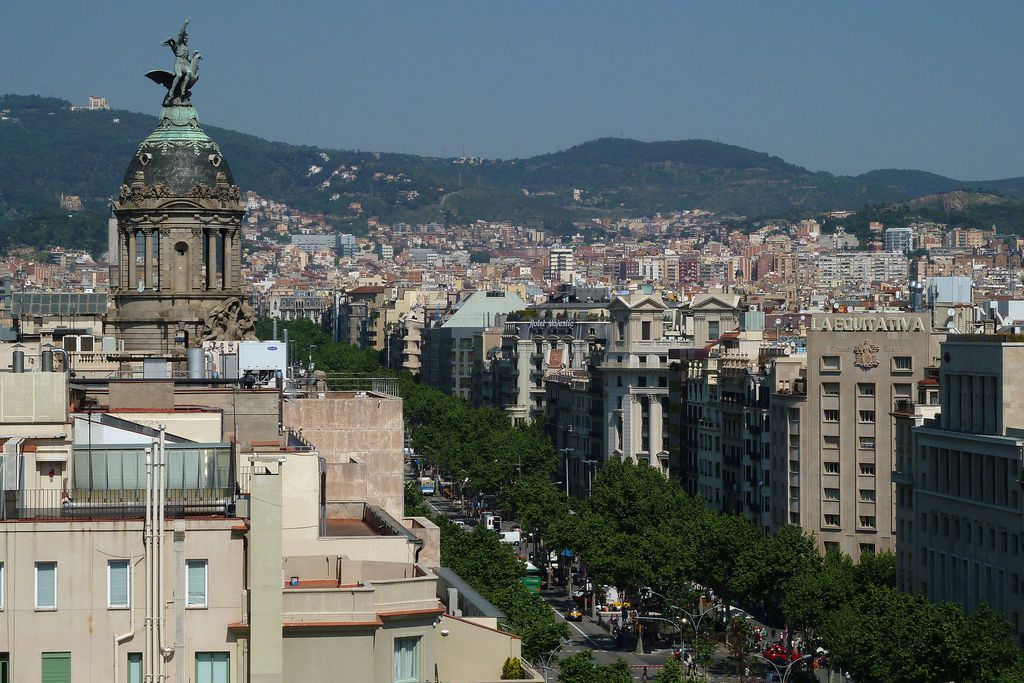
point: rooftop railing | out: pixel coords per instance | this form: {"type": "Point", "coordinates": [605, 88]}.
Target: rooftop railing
{"type": "Point", "coordinates": [114, 504]}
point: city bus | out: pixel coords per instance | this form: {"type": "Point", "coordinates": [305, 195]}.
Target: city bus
{"type": "Point", "coordinates": [427, 486]}
{"type": "Point", "coordinates": [533, 578]}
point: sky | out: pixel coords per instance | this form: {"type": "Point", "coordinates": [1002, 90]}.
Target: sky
{"type": "Point", "coordinates": [844, 87]}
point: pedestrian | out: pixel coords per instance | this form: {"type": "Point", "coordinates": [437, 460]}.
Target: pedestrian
{"type": "Point", "coordinates": [644, 677]}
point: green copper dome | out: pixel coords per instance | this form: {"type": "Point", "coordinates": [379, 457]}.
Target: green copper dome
{"type": "Point", "coordinates": [179, 154]}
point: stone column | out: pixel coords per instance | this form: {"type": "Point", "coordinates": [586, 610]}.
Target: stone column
{"type": "Point", "coordinates": [147, 260]}
{"type": "Point", "coordinates": [133, 266]}
{"type": "Point", "coordinates": [654, 430]}
{"type": "Point", "coordinates": [195, 246]}
{"type": "Point", "coordinates": [211, 258]}
{"type": "Point", "coordinates": [122, 259]}
{"type": "Point", "coordinates": [229, 259]}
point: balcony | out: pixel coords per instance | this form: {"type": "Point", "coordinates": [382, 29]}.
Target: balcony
{"type": "Point", "coordinates": [115, 504]}
{"type": "Point", "coordinates": [323, 591]}
{"type": "Point", "coordinates": [900, 477]}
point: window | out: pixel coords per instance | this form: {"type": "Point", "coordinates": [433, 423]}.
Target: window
{"type": "Point", "coordinates": [867, 443]}
{"type": "Point", "coordinates": [118, 584]}
{"type": "Point", "coordinates": [867, 522]}
{"type": "Point", "coordinates": [46, 585]}
{"type": "Point", "coordinates": [831, 416]}
{"type": "Point", "coordinates": [902, 363]}
{"type": "Point", "coordinates": [830, 388]}
{"type": "Point", "coordinates": [713, 329]}
{"type": "Point", "coordinates": [865, 389]}
{"type": "Point", "coordinates": [867, 416]}
{"type": "Point", "coordinates": [134, 667]}
{"type": "Point", "coordinates": [867, 469]}
{"type": "Point", "coordinates": [56, 667]}
{"type": "Point", "coordinates": [831, 520]}
{"type": "Point", "coordinates": [867, 495]}
{"type": "Point", "coordinates": [645, 330]}
{"type": "Point", "coordinates": [831, 441]}
{"type": "Point", "coordinates": [867, 548]}
{"type": "Point", "coordinates": [407, 660]}
{"type": "Point", "coordinates": [831, 546]}
{"type": "Point", "coordinates": [901, 390]}
{"type": "Point", "coordinates": [829, 363]}
{"type": "Point", "coordinates": [213, 667]}
{"type": "Point", "coordinates": [197, 583]}
{"type": "Point", "coordinates": [831, 468]}
{"type": "Point", "coordinates": [2, 590]}
{"type": "Point", "coordinates": [831, 494]}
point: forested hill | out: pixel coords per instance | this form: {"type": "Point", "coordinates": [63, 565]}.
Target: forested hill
{"type": "Point", "coordinates": [47, 149]}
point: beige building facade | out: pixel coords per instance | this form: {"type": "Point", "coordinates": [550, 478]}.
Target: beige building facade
{"type": "Point", "coordinates": [858, 367]}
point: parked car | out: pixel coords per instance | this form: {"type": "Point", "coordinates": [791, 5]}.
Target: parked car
{"type": "Point", "coordinates": [574, 614]}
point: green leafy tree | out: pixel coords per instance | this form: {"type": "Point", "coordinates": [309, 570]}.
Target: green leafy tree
{"type": "Point", "coordinates": [616, 672]}
{"type": "Point", "coordinates": [816, 591]}
{"type": "Point", "coordinates": [671, 672]}
{"type": "Point", "coordinates": [740, 644]}
{"type": "Point", "coordinates": [579, 668]}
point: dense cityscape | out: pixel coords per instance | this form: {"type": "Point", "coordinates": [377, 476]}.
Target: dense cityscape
{"type": "Point", "coordinates": [244, 440]}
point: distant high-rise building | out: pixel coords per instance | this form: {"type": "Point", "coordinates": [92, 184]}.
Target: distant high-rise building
{"type": "Point", "coordinates": [899, 240]}
{"type": "Point", "coordinates": [96, 103]}
{"type": "Point", "coordinates": [346, 245]}
{"type": "Point", "coordinates": [561, 264]}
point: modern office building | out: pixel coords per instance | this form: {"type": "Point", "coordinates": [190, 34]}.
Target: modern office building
{"type": "Point", "coordinates": [959, 519]}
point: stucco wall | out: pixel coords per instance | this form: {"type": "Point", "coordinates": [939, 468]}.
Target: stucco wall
{"type": "Point", "coordinates": [366, 428]}
{"type": "Point", "coordinates": [82, 623]}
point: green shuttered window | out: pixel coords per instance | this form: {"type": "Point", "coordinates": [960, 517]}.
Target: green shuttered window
{"type": "Point", "coordinates": [56, 667]}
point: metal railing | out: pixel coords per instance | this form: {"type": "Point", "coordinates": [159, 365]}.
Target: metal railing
{"type": "Point", "coordinates": [379, 385]}
{"type": "Point", "coordinates": [112, 504]}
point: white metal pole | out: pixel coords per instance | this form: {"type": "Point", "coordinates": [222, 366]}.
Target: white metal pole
{"type": "Point", "coordinates": [161, 523]}
{"type": "Point", "coordinates": [148, 537]}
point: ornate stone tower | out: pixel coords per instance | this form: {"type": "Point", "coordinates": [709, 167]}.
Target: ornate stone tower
{"type": "Point", "coordinates": [178, 275]}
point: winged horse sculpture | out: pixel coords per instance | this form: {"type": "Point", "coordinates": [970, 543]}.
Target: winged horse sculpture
{"type": "Point", "coordinates": [186, 70]}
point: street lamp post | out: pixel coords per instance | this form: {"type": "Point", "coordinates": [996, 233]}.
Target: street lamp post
{"type": "Point", "coordinates": [784, 675]}
{"type": "Point", "coordinates": [545, 662]}
{"type": "Point", "coordinates": [565, 454]}
{"type": "Point", "coordinates": [590, 475]}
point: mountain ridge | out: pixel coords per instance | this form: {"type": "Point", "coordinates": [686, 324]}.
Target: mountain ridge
{"type": "Point", "coordinates": [47, 149]}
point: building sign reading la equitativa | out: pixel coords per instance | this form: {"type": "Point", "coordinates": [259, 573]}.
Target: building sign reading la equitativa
{"type": "Point", "coordinates": [881, 323]}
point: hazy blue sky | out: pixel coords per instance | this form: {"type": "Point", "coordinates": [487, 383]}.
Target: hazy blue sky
{"type": "Point", "coordinates": [838, 86]}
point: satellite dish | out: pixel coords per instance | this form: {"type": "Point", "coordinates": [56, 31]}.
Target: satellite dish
{"type": "Point", "coordinates": [778, 321]}
{"type": "Point", "coordinates": [950, 324]}
{"type": "Point", "coordinates": [950, 311]}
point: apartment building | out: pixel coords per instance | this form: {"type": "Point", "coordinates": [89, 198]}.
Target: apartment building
{"type": "Point", "coordinates": [574, 410]}
{"type": "Point", "coordinates": [259, 559]}
{"type": "Point", "coordinates": [531, 351]}
{"type": "Point", "coordinates": [960, 524]}
{"type": "Point", "coordinates": [561, 264]}
{"type": "Point", "coordinates": [447, 350]}
{"type": "Point", "coordinates": [861, 269]}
